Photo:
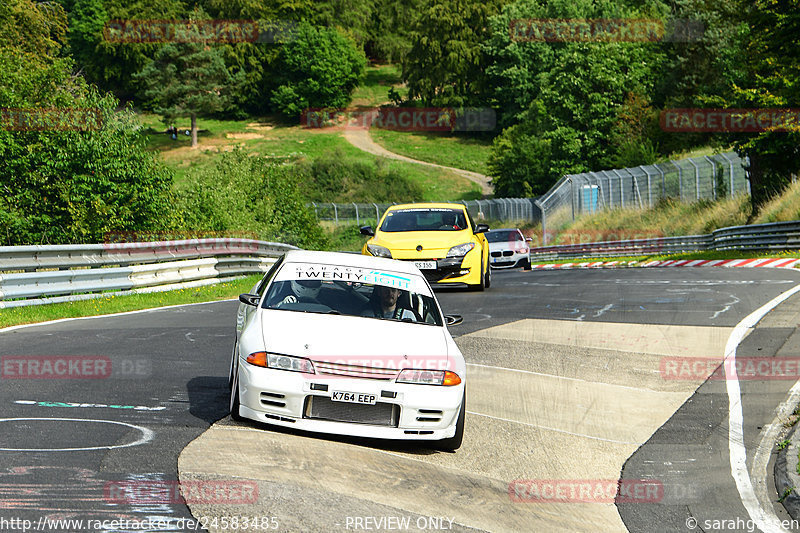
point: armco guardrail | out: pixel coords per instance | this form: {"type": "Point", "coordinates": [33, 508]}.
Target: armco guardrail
{"type": "Point", "coordinates": [772, 236]}
{"type": "Point", "coordinates": [53, 273]}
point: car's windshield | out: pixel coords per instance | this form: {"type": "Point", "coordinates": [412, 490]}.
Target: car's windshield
{"type": "Point", "coordinates": [337, 290]}
{"type": "Point", "coordinates": [503, 236]}
{"type": "Point", "coordinates": [424, 219]}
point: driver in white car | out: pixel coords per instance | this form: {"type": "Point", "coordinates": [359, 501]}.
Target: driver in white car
{"type": "Point", "coordinates": [303, 291]}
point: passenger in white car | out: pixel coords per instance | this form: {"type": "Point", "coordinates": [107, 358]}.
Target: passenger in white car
{"type": "Point", "coordinates": [385, 306]}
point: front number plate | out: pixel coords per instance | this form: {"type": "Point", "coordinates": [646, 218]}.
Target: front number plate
{"type": "Point", "coordinates": [425, 265]}
{"type": "Point", "coordinates": [353, 397]}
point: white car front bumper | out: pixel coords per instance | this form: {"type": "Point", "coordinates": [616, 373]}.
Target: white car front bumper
{"type": "Point", "coordinates": [403, 411]}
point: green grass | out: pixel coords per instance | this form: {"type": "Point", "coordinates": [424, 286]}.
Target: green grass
{"type": "Point", "coordinates": [273, 137]}
{"type": "Point", "coordinates": [268, 137]}
{"type": "Point", "coordinates": [696, 152]}
{"type": "Point", "coordinates": [783, 207]}
{"type": "Point", "coordinates": [668, 217]}
{"type": "Point", "coordinates": [345, 237]}
{"type": "Point", "coordinates": [451, 150]}
{"type": "Point", "coordinates": [112, 303]}
{"type": "Point", "coordinates": [374, 90]}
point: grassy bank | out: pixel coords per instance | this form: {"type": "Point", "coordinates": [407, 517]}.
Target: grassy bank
{"type": "Point", "coordinates": [267, 137]}
{"type": "Point", "coordinates": [451, 150]}
{"type": "Point", "coordinates": [374, 89]}
{"type": "Point", "coordinates": [133, 302]}
{"type": "Point", "coordinates": [274, 137]}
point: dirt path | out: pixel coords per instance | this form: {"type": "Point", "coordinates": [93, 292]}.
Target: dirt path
{"type": "Point", "coordinates": [361, 139]}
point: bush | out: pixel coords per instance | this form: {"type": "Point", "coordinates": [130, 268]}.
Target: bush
{"type": "Point", "coordinates": [319, 68]}
{"type": "Point", "coordinates": [73, 185]}
{"type": "Point", "coordinates": [334, 177]}
{"type": "Point", "coordinates": [252, 195]}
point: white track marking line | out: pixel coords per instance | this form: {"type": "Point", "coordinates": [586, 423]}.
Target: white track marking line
{"type": "Point", "coordinates": [761, 512]}
{"type": "Point", "coordinates": [766, 445]}
{"type": "Point", "coordinates": [147, 436]}
{"type": "Point", "coordinates": [554, 429]}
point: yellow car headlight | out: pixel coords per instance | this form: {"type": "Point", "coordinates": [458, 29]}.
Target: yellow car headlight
{"type": "Point", "coordinates": [379, 251]}
{"type": "Point", "coordinates": [460, 250]}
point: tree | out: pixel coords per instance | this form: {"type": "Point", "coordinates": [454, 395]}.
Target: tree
{"type": "Point", "coordinates": [188, 78]}
{"type": "Point", "coordinates": [109, 63]}
{"type": "Point", "coordinates": [73, 168]}
{"type": "Point", "coordinates": [318, 68]}
{"type": "Point", "coordinates": [390, 28]}
{"type": "Point", "coordinates": [445, 66]}
{"type": "Point", "coordinates": [773, 70]}
{"type": "Point", "coordinates": [699, 72]}
{"type": "Point", "coordinates": [560, 101]}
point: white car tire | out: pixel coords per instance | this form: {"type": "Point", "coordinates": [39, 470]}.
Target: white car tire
{"type": "Point", "coordinates": [453, 443]}
{"type": "Point", "coordinates": [235, 403]}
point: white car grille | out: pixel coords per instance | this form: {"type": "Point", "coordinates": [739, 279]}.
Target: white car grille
{"type": "Point", "coordinates": [354, 371]}
{"type": "Point", "coordinates": [380, 414]}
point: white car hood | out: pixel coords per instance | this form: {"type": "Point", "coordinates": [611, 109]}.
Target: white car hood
{"type": "Point", "coordinates": [501, 246]}
{"type": "Point", "coordinates": [337, 337]}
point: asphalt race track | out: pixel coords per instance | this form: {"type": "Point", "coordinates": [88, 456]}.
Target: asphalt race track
{"type": "Point", "coordinates": [576, 380]}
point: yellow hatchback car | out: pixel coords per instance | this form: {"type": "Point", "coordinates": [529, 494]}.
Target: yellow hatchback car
{"type": "Point", "coordinates": [441, 239]}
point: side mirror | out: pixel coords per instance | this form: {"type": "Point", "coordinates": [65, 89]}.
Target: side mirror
{"type": "Point", "coordinates": [480, 228]}
{"type": "Point", "coordinates": [249, 299]}
{"type": "Point", "coordinates": [528, 239]}
{"type": "Point", "coordinates": [367, 230]}
{"type": "Point", "coordinates": [453, 320]}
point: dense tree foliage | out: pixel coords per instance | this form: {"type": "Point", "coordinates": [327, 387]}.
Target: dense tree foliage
{"type": "Point", "coordinates": [445, 66]}
{"type": "Point", "coordinates": [561, 100]}
{"type": "Point", "coordinates": [562, 106]}
{"type": "Point", "coordinates": [772, 81]}
{"type": "Point", "coordinates": [189, 78]}
{"type": "Point", "coordinates": [111, 64]}
{"type": "Point", "coordinates": [73, 168]}
{"type": "Point", "coordinates": [318, 68]}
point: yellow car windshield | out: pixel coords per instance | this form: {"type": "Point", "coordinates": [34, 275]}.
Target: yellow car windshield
{"type": "Point", "coordinates": [428, 219]}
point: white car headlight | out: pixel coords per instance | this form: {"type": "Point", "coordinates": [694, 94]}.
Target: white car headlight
{"type": "Point", "coordinates": [379, 251]}
{"type": "Point", "coordinates": [460, 250]}
{"type": "Point", "coordinates": [281, 362]}
{"type": "Point", "coordinates": [428, 377]}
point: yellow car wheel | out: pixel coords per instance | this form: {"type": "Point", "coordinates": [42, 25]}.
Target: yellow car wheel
{"type": "Point", "coordinates": [486, 279]}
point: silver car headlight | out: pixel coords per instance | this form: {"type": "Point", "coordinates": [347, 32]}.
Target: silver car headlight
{"type": "Point", "coordinates": [379, 251]}
{"type": "Point", "coordinates": [428, 377]}
{"type": "Point", "coordinates": [281, 362]}
{"type": "Point", "coordinates": [460, 250]}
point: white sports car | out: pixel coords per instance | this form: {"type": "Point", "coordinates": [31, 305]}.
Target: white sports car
{"type": "Point", "coordinates": [351, 345]}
